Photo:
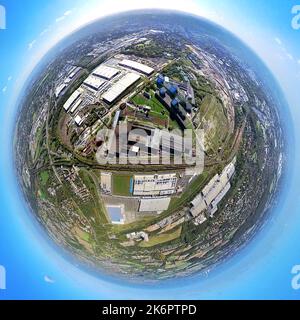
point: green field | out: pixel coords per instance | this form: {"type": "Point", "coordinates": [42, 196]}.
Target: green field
{"type": "Point", "coordinates": [121, 185]}
{"type": "Point", "coordinates": [157, 109]}
{"type": "Point", "coordinates": [215, 123]}
{"type": "Point", "coordinates": [44, 177]}
{"type": "Point", "coordinates": [156, 106]}
{"type": "Point", "coordinates": [161, 238]}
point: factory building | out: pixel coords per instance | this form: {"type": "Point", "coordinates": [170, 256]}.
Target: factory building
{"type": "Point", "coordinates": [212, 194]}
{"type": "Point", "coordinates": [174, 103]}
{"type": "Point", "coordinates": [160, 80]}
{"type": "Point", "coordinates": [72, 100]}
{"type": "Point", "coordinates": [177, 112]}
{"type": "Point", "coordinates": [78, 120]}
{"type": "Point", "coordinates": [117, 89]}
{"type": "Point", "coordinates": [162, 92]}
{"type": "Point", "coordinates": [73, 73]}
{"type": "Point", "coordinates": [60, 89]}
{"type": "Point", "coordinates": [154, 185]}
{"type": "Point", "coordinates": [198, 205]}
{"type": "Point", "coordinates": [105, 72]}
{"type": "Point", "coordinates": [93, 82]}
{"type": "Point", "coordinates": [136, 66]}
{"type": "Point", "coordinates": [172, 90]}
{"type": "Point", "coordinates": [186, 106]}
{"type": "Point", "coordinates": [76, 105]}
{"type": "Point", "coordinates": [154, 205]}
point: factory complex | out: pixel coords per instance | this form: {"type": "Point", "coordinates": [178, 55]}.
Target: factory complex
{"type": "Point", "coordinates": [136, 95]}
{"type": "Point", "coordinates": [106, 84]}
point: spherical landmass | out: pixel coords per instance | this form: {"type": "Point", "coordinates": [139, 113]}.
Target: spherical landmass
{"type": "Point", "coordinates": [149, 145]}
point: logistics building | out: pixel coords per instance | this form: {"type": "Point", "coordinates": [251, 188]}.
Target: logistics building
{"type": "Point", "coordinates": [72, 100]}
{"type": "Point", "coordinates": [212, 194]}
{"type": "Point", "coordinates": [136, 66]}
{"type": "Point", "coordinates": [117, 89]}
{"type": "Point", "coordinates": [154, 185]}
{"type": "Point", "coordinates": [105, 72]}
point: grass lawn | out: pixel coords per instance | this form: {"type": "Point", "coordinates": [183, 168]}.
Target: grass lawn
{"type": "Point", "coordinates": [155, 105]}
{"type": "Point", "coordinates": [121, 185]}
{"type": "Point", "coordinates": [162, 238]}
{"type": "Point", "coordinates": [44, 177]}
{"type": "Point", "coordinates": [85, 236]}
{"type": "Point", "coordinates": [215, 120]}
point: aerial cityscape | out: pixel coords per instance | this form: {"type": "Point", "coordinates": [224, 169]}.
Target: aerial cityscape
{"type": "Point", "coordinates": [101, 158]}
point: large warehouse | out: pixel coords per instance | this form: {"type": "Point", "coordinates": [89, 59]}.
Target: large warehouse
{"type": "Point", "coordinates": [72, 100]}
{"type": "Point", "coordinates": [94, 82]}
{"type": "Point", "coordinates": [213, 192]}
{"type": "Point", "coordinates": [136, 66]}
{"type": "Point", "coordinates": [154, 185]}
{"type": "Point", "coordinates": [116, 90]}
{"type": "Point", "coordinates": [105, 72]}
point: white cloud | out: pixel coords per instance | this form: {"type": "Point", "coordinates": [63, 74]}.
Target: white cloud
{"type": "Point", "coordinates": [66, 14]}
{"type": "Point", "coordinates": [31, 44]}
{"type": "Point", "coordinates": [9, 78]}
{"type": "Point", "coordinates": [4, 89]}
{"type": "Point", "coordinates": [48, 279]}
{"type": "Point", "coordinates": [45, 31]}
{"type": "Point", "coordinates": [278, 41]}
{"type": "Point", "coordinates": [60, 19]}
{"type": "Point", "coordinates": [298, 61]}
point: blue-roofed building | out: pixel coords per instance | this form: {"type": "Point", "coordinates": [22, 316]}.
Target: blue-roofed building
{"type": "Point", "coordinates": [172, 91]}
{"type": "Point", "coordinates": [162, 92]}
{"type": "Point", "coordinates": [160, 80]}
{"type": "Point", "coordinates": [174, 103]}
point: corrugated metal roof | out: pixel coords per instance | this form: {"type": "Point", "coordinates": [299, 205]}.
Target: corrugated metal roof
{"type": "Point", "coordinates": [136, 66]}
{"type": "Point", "coordinates": [73, 98]}
{"type": "Point", "coordinates": [119, 87]}
{"type": "Point", "coordinates": [105, 72]}
{"type": "Point", "coordinates": [94, 82]}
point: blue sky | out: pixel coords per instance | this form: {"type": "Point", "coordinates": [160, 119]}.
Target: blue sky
{"type": "Point", "coordinates": [264, 268]}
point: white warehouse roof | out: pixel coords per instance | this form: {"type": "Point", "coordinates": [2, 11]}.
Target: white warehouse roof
{"type": "Point", "coordinates": [76, 105]}
{"type": "Point", "coordinates": [151, 185]}
{"type": "Point", "coordinates": [105, 72]}
{"type": "Point", "coordinates": [221, 195]}
{"type": "Point", "coordinates": [71, 101]}
{"type": "Point", "coordinates": [78, 120]}
{"type": "Point", "coordinates": [94, 82]}
{"type": "Point", "coordinates": [136, 66]}
{"type": "Point", "coordinates": [60, 89]}
{"type": "Point", "coordinates": [119, 87]}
